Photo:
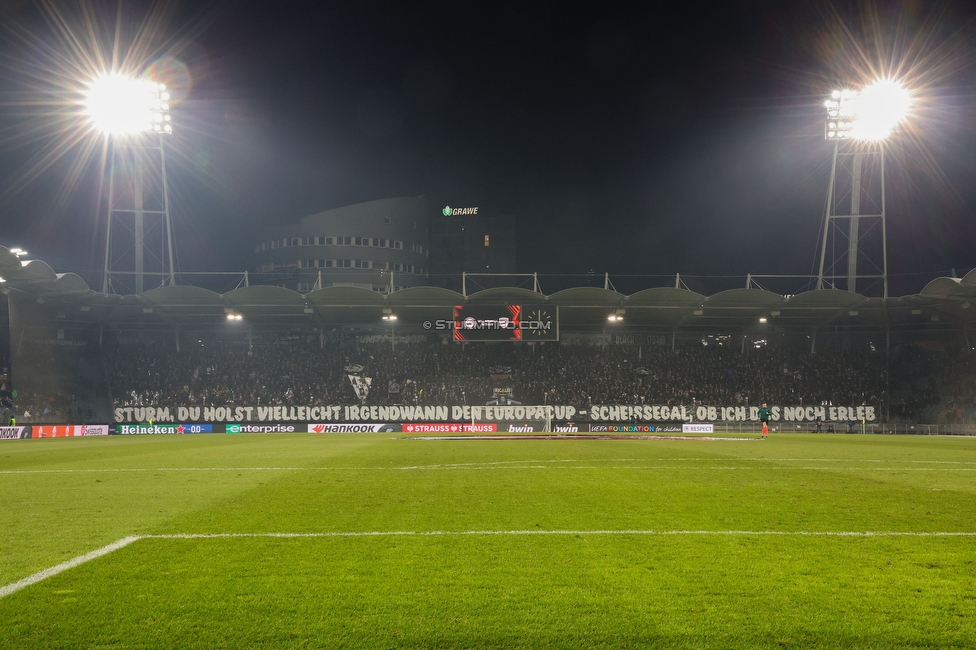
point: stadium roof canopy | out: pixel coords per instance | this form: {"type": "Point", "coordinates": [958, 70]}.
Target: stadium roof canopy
{"type": "Point", "coordinates": [944, 301]}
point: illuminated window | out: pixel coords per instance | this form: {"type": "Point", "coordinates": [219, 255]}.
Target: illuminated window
{"type": "Point", "coordinates": [486, 240]}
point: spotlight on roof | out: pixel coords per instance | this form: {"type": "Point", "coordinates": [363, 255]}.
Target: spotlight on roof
{"type": "Point", "coordinates": [19, 252]}
{"type": "Point", "coordinates": [389, 317]}
{"type": "Point", "coordinates": [233, 316]}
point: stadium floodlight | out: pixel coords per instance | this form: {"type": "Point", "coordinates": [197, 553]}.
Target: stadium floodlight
{"type": "Point", "coordinates": [389, 317]}
{"type": "Point", "coordinates": [121, 105]}
{"type": "Point", "coordinates": [870, 114]}
{"type": "Point", "coordinates": [234, 317]}
{"type": "Point", "coordinates": [866, 118]}
{"type": "Point", "coordinates": [19, 252]}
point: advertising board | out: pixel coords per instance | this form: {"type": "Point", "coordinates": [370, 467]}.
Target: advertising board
{"type": "Point", "coordinates": [14, 433]}
{"type": "Point", "coordinates": [425, 427]}
{"type": "Point", "coordinates": [635, 428]}
{"type": "Point", "coordinates": [351, 427]}
{"type": "Point", "coordinates": [68, 430]}
{"type": "Point", "coordinates": [151, 429]}
{"type": "Point", "coordinates": [262, 428]}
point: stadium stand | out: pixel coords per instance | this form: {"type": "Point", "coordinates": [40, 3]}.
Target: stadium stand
{"type": "Point", "coordinates": [75, 354]}
{"type": "Point", "coordinates": [300, 372]}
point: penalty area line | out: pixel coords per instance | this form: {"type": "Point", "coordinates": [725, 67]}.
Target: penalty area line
{"type": "Point", "coordinates": [34, 578]}
{"type": "Point", "coordinates": [69, 564]}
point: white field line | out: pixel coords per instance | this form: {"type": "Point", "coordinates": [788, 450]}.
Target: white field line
{"type": "Point", "coordinates": [474, 533]}
{"type": "Point", "coordinates": [541, 464]}
{"type": "Point", "coordinates": [522, 464]}
{"type": "Point", "coordinates": [515, 464]}
{"type": "Point", "coordinates": [64, 566]}
{"type": "Point", "coordinates": [125, 541]}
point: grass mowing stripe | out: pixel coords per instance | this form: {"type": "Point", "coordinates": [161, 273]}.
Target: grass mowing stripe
{"type": "Point", "coordinates": [64, 566]}
{"type": "Point", "coordinates": [125, 541]}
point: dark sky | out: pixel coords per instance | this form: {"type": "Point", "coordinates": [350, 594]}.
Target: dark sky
{"type": "Point", "coordinates": [634, 138]}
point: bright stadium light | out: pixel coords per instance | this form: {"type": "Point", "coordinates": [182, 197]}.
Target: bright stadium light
{"type": "Point", "coordinates": [121, 105]}
{"type": "Point", "coordinates": [881, 107]}
{"type": "Point", "coordinates": [870, 114]}
{"type": "Point", "coordinates": [867, 118]}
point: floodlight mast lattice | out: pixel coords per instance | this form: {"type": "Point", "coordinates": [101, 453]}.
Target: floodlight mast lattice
{"type": "Point", "coordinates": [858, 123]}
{"type": "Point", "coordinates": [134, 115]}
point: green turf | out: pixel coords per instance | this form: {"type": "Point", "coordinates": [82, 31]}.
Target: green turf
{"type": "Point", "coordinates": [579, 589]}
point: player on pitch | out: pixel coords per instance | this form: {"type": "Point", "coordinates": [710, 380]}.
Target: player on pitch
{"type": "Point", "coordinates": [764, 418]}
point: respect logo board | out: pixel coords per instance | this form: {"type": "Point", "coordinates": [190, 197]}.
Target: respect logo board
{"type": "Point", "coordinates": [69, 430]}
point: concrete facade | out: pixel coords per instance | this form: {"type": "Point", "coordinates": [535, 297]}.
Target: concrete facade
{"type": "Point", "coordinates": [379, 245]}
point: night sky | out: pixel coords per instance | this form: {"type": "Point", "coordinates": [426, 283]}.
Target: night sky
{"type": "Point", "coordinates": [630, 138]}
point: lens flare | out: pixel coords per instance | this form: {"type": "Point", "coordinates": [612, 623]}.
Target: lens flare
{"type": "Point", "coordinates": [120, 105]}
{"type": "Point", "coordinates": [880, 108]}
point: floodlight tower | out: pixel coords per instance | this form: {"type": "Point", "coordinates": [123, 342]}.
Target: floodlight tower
{"type": "Point", "coordinates": [859, 123]}
{"type": "Point", "coordinates": [133, 114]}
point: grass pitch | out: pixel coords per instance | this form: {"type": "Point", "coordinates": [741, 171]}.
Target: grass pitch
{"type": "Point", "coordinates": [445, 544]}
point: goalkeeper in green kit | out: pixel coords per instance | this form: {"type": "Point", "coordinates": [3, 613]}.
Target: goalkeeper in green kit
{"type": "Point", "coordinates": [764, 418]}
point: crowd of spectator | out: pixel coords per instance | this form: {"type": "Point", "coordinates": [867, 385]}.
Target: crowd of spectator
{"type": "Point", "coordinates": [6, 392]}
{"type": "Point", "coordinates": [67, 382]}
{"type": "Point", "coordinates": [956, 375]}
{"type": "Point", "coordinates": [303, 372]}
{"type": "Point", "coordinates": [63, 384]}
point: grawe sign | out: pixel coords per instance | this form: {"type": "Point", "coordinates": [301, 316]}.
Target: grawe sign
{"type": "Point", "coordinates": [448, 211]}
{"type": "Point", "coordinates": [467, 413]}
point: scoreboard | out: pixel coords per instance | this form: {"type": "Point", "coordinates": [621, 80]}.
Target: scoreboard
{"type": "Point", "coordinates": [505, 323]}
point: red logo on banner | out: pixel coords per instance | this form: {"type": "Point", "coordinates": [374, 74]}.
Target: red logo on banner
{"type": "Point", "coordinates": [417, 427]}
